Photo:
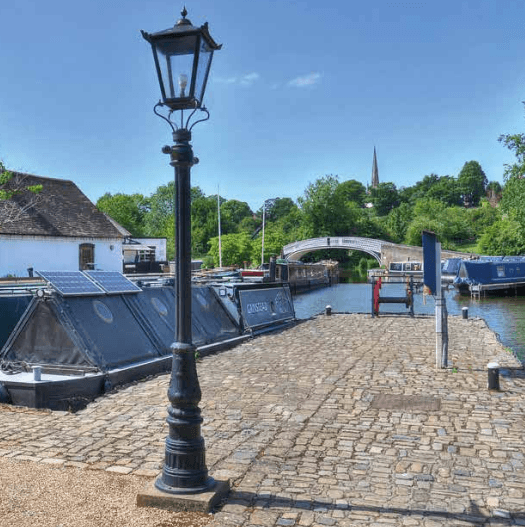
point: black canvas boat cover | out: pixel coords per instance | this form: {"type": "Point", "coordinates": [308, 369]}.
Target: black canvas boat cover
{"type": "Point", "coordinates": [11, 310]}
{"type": "Point", "coordinates": [210, 320]}
{"type": "Point", "coordinates": [108, 332]}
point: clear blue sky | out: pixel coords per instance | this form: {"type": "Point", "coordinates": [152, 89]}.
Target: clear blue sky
{"type": "Point", "coordinates": [301, 88]}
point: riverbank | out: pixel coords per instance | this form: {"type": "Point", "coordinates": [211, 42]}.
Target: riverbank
{"type": "Point", "coordinates": [340, 420]}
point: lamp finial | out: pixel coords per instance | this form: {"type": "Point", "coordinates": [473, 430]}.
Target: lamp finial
{"type": "Point", "coordinates": [183, 21]}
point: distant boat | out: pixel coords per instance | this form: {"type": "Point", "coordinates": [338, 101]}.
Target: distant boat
{"type": "Point", "coordinates": [491, 273]}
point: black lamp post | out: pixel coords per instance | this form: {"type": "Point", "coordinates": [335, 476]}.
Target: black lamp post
{"type": "Point", "coordinates": [183, 57]}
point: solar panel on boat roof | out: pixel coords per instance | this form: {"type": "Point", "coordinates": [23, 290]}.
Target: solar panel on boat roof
{"type": "Point", "coordinates": [71, 283]}
{"type": "Point", "coordinates": [113, 282]}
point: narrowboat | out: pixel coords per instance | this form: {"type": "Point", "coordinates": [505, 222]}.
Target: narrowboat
{"type": "Point", "coordinates": [491, 273]}
{"type": "Point", "coordinates": [75, 335]}
{"type": "Point", "coordinates": [449, 269]}
{"type": "Point", "coordinates": [410, 268]}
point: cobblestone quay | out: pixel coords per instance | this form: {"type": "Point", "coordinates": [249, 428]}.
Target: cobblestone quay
{"type": "Point", "coordinates": [341, 420]}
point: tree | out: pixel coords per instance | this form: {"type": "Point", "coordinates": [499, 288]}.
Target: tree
{"type": "Point", "coordinates": [274, 240]}
{"type": "Point", "coordinates": [161, 213]}
{"type": "Point", "coordinates": [204, 222]}
{"type": "Point", "coordinates": [232, 214]}
{"type": "Point", "coordinates": [352, 190]}
{"type": "Point", "coordinates": [447, 190]}
{"type": "Point", "coordinates": [324, 209]}
{"type": "Point", "coordinates": [384, 198]}
{"type": "Point", "coordinates": [128, 210]}
{"type": "Point", "coordinates": [504, 237]}
{"type": "Point", "coordinates": [419, 190]}
{"type": "Point", "coordinates": [16, 196]}
{"type": "Point", "coordinates": [236, 249]}
{"type": "Point", "coordinates": [442, 188]}
{"type": "Point", "coordinates": [451, 224]}
{"type": "Point", "coordinates": [513, 196]}
{"type": "Point", "coordinates": [472, 182]}
{"type": "Point", "coordinates": [398, 220]}
{"type": "Point", "coordinates": [515, 143]}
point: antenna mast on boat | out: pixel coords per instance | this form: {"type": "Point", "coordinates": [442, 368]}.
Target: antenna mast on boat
{"type": "Point", "coordinates": [219, 215]}
{"type": "Point", "coordinates": [262, 248]}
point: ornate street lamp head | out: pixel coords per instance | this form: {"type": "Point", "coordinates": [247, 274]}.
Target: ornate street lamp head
{"type": "Point", "coordinates": [182, 56]}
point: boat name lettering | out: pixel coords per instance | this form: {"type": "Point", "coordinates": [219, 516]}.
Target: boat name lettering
{"type": "Point", "coordinates": [257, 307]}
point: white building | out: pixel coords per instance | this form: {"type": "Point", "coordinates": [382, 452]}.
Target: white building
{"type": "Point", "coordinates": [59, 229]}
{"type": "Point", "coordinates": [142, 255]}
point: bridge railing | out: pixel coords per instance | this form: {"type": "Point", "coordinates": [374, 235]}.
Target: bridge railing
{"type": "Point", "coordinates": [349, 242]}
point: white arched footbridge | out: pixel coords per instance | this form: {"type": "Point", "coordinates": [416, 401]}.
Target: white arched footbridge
{"type": "Point", "coordinates": [294, 251]}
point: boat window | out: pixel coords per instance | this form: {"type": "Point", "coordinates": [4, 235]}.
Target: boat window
{"type": "Point", "coordinates": [159, 306]}
{"type": "Point", "coordinates": [103, 311]}
{"type": "Point", "coordinates": [500, 269]}
{"type": "Point", "coordinates": [396, 267]}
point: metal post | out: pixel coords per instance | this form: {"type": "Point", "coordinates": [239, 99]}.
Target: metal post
{"type": "Point", "coordinates": [493, 375]}
{"type": "Point", "coordinates": [262, 245]}
{"type": "Point", "coordinates": [219, 218]}
{"type": "Point", "coordinates": [439, 310]}
{"type": "Point", "coordinates": [184, 469]}
{"type": "Point", "coordinates": [372, 311]}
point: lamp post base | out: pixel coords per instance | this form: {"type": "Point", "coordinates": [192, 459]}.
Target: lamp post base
{"type": "Point", "coordinates": [203, 501]}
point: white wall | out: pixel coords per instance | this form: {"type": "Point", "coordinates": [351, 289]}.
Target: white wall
{"type": "Point", "coordinates": [17, 253]}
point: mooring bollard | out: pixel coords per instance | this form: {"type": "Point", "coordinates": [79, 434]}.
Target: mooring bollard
{"type": "Point", "coordinates": [464, 312]}
{"type": "Point", "coordinates": [493, 375]}
{"type": "Point", "coordinates": [37, 373]}
{"type": "Point", "coordinates": [328, 310]}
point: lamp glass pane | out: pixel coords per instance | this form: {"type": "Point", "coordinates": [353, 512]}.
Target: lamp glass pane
{"type": "Point", "coordinates": [205, 56]}
{"type": "Point", "coordinates": [176, 64]}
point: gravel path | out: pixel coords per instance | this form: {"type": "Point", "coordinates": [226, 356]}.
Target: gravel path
{"type": "Point", "coordinates": [36, 495]}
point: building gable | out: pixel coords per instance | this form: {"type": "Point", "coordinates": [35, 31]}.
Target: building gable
{"type": "Point", "coordinates": [60, 209]}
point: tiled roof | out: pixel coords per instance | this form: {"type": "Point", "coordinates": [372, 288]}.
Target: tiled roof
{"type": "Point", "coordinates": [61, 209]}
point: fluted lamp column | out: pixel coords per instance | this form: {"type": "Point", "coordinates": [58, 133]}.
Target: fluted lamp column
{"type": "Point", "coordinates": [182, 57]}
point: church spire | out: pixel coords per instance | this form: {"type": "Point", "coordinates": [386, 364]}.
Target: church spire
{"type": "Point", "coordinates": [375, 171]}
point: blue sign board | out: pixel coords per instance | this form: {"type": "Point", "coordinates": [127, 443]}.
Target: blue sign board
{"type": "Point", "coordinates": [430, 261]}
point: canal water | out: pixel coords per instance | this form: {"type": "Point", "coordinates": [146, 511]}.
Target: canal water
{"type": "Point", "coordinates": [505, 315]}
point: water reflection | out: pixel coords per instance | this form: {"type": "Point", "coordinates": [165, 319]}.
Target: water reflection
{"type": "Point", "coordinates": [504, 315]}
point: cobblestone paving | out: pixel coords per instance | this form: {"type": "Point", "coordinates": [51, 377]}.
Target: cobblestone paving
{"type": "Point", "coordinates": [341, 420]}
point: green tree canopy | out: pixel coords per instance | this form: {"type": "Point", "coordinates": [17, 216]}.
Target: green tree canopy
{"type": "Point", "coordinates": [128, 210]}
{"type": "Point", "coordinates": [513, 196]}
{"type": "Point", "coordinates": [352, 190]}
{"type": "Point", "coordinates": [472, 182]}
{"type": "Point", "coordinates": [232, 214]}
{"type": "Point", "coordinates": [442, 188]}
{"type": "Point", "coordinates": [161, 213]}
{"type": "Point", "coordinates": [504, 237]}
{"type": "Point", "coordinates": [397, 222]}
{"type": "Point", "coordinates": [451, 224]}
{"type": "Point", "coordinates": [384, 198]}
{"type": "Point", "coordinates": [204, 222]}
{"type": "Point", "coordinates": [325, 212]}
{"type": "Point", "coordinates": [236, 249]}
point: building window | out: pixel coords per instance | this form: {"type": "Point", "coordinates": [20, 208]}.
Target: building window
{"type": "Point", "coordinates": [86, 259]}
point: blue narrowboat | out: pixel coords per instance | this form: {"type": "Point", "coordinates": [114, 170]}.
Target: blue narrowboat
{"type": "Point", "coordinates": [491, 273]}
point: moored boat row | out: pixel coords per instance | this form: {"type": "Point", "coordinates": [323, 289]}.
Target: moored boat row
{"type": "Point", "coordinates": [490, 273]}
